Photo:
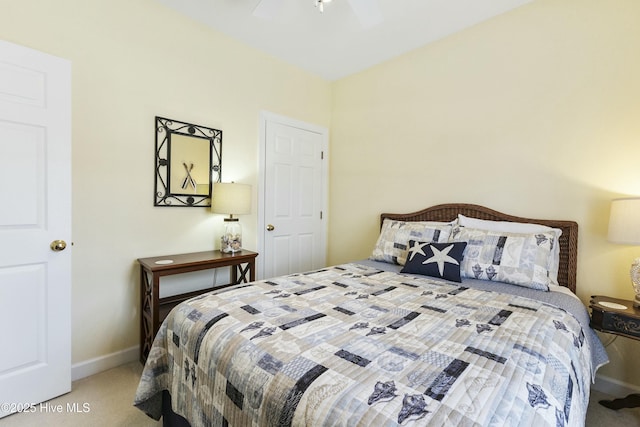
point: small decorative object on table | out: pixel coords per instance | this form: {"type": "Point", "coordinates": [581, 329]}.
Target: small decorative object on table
{"type": "Point", "coordinates": [233, 199]}
{"type": "Point", "coordinates": [624, 228]}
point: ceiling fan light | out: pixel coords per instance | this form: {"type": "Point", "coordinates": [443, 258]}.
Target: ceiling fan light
{"type": "Point", "coordinates": [320, 4]}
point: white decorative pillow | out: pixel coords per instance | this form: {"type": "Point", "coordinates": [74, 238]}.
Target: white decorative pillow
{"type": "Point", "coordinates": [520, 227]}
{"type": "Point", "coordinates": [393, 243]}
{"type": "Point", "coordinates": [517, 258]}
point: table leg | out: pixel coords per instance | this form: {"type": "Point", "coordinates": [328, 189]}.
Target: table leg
{"type": "Point", "coordinates": [239, 273]}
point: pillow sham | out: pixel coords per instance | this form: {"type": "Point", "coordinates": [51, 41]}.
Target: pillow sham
{"type": "Point", "coordinates": [517, 258]}
{"type": "Point", "coordinates": [440, 260]}
{"type": "Point", "coordinates": [394, 238]}
{"type": "Point", "coordinates": [520, 227]}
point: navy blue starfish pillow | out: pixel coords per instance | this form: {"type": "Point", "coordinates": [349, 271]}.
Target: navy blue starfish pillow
{"type": "Point", "coordinates": [435, 259]}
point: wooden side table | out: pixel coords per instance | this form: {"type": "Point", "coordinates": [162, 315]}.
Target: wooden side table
{"type": "Point", "coordinates": [615, 316]}
{"type": "Point", "coordinates": [619, 317]}
{"type": "Point", "coordinates": [154, 309]}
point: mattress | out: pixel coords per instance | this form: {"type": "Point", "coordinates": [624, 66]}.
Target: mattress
{"type": "Point", "coordinates": [362, 344]}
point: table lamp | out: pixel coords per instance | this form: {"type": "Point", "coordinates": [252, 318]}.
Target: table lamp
{"type": "Point", "coordinates": [233, 199]}
{"type": "Point", "coordinates": [624, 228]}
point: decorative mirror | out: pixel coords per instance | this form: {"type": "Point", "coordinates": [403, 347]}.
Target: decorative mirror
{"type": "Point", "coordinates": [188, 161]}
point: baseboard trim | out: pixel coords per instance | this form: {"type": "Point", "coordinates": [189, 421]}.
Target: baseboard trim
{"type": "Point", "coordinates": [614, 387]}
{"type": "Point", "coordinates": [102, 363]}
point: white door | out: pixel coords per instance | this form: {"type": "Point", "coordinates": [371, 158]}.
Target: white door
{"type": "Point", "coordinates": [35, 210]}
{"type": "Point", "coordinates": [293, 197]}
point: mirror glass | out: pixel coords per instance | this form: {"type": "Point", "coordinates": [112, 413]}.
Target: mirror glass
{"type": "Point", "coordinates": [188, 161]}
{"type": "Point", "coordinates": [190, 165]}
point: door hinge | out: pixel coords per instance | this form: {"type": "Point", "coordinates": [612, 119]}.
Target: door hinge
{"type": "Point", "coordinates": [322, 155]}
{"type": "Point", "coordinates": [320, 214]}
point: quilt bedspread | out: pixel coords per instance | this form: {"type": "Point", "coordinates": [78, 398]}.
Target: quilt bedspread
{"type": "Point", "coordinates": [353, 345]}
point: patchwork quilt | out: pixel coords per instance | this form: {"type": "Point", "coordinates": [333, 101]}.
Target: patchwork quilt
{"type": "Point", "coordinates": [353, 345]}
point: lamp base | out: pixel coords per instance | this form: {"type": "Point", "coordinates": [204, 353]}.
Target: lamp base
{"type": "Point", "coordinates": [228, 246]}
{"type": "Point", "coordinates": [231, 240]}
{"type": "Point", "coordinates": [635, 280]}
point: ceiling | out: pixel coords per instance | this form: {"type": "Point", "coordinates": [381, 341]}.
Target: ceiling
{"type": "Point", "coordinates": [338, 42]}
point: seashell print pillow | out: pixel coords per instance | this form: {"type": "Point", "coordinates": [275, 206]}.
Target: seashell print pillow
{"type": "Point", "coordinates": [521, 259]}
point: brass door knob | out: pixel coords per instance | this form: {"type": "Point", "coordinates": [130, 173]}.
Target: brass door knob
{"type": "Point", "coordinates": [58, 245]}
{"type": "Point", "coordinates": [270, 227]}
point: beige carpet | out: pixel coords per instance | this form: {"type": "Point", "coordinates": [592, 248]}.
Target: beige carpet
{"type": "Point", "coordinates": [108, 396]}
{"type": "Point", "coordinates": [107, 399]}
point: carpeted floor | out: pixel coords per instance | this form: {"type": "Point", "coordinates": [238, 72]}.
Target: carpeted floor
{"type": "Point", "coordinates": [598, 415]}
{"type": "Point", "coordinates": [108, 396]}
{"type": "Point", "coordinates": [105, 400]}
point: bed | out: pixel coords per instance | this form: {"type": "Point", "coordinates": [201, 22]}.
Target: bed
{"type": "Point", "coordinates": [462, 315]}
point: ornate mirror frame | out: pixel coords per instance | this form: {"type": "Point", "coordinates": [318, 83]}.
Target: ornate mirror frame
{"type": "Point", "coordinates": [188, 161]}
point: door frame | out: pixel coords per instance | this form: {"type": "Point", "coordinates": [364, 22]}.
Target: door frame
{"type": "Point", "coordinates": [268, 117]}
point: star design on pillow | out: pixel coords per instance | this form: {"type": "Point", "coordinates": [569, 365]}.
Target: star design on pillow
{"type": "Point", "coordinates": [440, 257]}
{"type": "Point", "coordinates": [417, 249]}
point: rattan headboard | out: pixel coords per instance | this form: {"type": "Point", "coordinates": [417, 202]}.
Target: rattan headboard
{"type": "Point", "coordinates": [449, 212]}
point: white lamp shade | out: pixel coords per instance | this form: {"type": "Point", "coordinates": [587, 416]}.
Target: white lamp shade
{"type": "Point", "coordinates": [231, 198]}
{"type": "Point", "coordinates": [624, 221]}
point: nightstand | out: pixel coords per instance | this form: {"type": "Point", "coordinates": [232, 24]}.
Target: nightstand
{"type": "Point", "coordinates": [620, 317]}
{"type": "Point", "coordinates": [154, 309]}
{"type": "Point", "coordinates": [615, 316]}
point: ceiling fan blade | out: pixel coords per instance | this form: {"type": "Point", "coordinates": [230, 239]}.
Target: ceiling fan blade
{"type": "Point", "coordinates": [367, 11]}
{"type": "Point", "coordinates": [268, 9]}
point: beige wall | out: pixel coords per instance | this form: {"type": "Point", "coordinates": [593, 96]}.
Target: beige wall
{"type": "Point", "coordinates": [131, 61]}
{"type": "Point", "coordinates": [533, 113]}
